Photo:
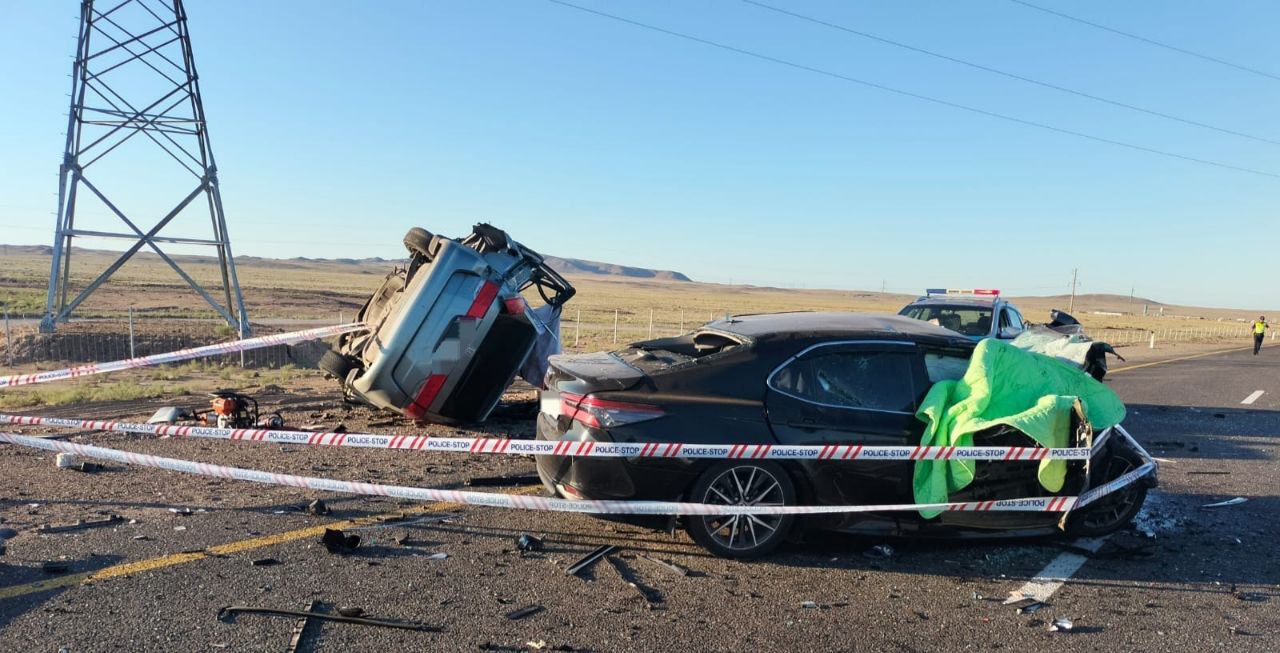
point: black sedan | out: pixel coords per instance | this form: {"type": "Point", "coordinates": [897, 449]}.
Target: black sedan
{"type": "Point", "coordinates": [796, 379]}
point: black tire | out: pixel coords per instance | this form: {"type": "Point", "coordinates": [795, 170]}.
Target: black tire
{"type": "Point", "coordinates": [1113, 511]}
{"type": "Point", "coordinates": [741, 536]}
{"type": "Point", "coordinates": [336, 365]}
{"type": "Point", "coordinates": [418, 241]}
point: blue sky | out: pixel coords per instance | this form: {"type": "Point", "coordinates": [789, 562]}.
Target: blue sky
{"type": "Point", "coordinates": [338, 125]}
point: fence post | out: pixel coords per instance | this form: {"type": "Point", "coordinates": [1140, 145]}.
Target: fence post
{"type": "Point", "coordinates": [1153, 340]}
{"type": "Point", "coordinates": [651, 324]}
{"type": "Point", "coordinates": [615, 326]}
{"type": "Point", "coordinates": [577, 327]}
{"type": "Point", "coordinates": [682, 320]}
{"type": "Point", "coordinates": [131, 354]}
{"type": "Point", "coordinates": [8, 337]}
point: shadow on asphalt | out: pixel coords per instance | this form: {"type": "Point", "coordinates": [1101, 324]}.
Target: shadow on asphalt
{"type": "Point", "coordinates": [1210, 433]}
{"type": "Point", "coordinates": [21, 574]}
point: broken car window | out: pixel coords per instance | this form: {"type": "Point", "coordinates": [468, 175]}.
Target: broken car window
{"type": "Point", "coordinates": [871, 380]}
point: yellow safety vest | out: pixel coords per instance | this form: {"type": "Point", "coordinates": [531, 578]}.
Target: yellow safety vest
{"type": "Point", "coordinates": [1259, 327]}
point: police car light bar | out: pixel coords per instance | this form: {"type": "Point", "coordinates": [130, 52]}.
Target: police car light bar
{"type": "Point", "coordinates": [960, 291]}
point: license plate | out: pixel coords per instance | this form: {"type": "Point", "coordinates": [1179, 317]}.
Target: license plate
{"type": "Point", "coordinates": [549, 403]}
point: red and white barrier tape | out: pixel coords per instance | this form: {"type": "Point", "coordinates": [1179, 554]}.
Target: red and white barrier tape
{"type": "Point", "coordinates": [521, 502]}
{"type": "Point", "coordinates": [180, 355]}
{"type": "Point", "coordinates": [575, 448]}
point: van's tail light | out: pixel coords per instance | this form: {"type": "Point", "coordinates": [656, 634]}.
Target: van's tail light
{"type": "Point", "coordinates": [426, 394]}
{"type": "Point", "coordinates": [601, 413]}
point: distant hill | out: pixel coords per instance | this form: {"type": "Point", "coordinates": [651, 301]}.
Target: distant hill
{"type": "Point", "coordinates": [579, 266]}
{"type": "Point", "coordinates": [571, 266]}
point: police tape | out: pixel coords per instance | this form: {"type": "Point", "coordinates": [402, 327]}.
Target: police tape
{"type": "Point", "coordinates": [181, 355]}
{"type": "Point", "coordinates": [524, 502]}
{"type": "Point", "coordinates": [573, 448]}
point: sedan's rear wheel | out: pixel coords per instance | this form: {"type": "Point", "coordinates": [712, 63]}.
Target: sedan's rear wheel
{"type": "Point", "coordinates": [742, 484]}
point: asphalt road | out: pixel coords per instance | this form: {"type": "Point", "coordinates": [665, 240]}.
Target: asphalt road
{"type": "Point", "coordinates": [1185, 578]}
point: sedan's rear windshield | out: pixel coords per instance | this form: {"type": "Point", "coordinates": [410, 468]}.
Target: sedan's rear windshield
{"type": "Point", "coordinates": [968, 320]}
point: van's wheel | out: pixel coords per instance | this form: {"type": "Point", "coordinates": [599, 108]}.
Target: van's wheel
{"type": "Point", "coordinates": [335, 364]}
{"type": "Point", "coordinates": [742, 484]}
{"type": "Point", "coordinates": [1115, 510]}
{"type": "Point", "coordinates": [418, 241]}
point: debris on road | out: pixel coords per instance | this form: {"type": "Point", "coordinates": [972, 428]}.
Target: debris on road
{"type": "Point", "coordinates": [182, 512]}
{"type": "Point", "coordinates": [79, 524]}
{"type": "Point", "coordinates": [528, 610]}
{"type": "Point", "coordinates": [438, 556]}
{"type": "Point", "coordinates": [300, 628]}
{"type": "Point", "coordinates": [263, 562]}
{"type": "Point", "coordinates": [351, 612]}
{"type": "Point", "coordinates": [670, 566]}
{"type": "Point", "coordinates": [879, 551]}
{"type": "Point", "coordinates": [53, 567]}
{"type": "Point", "coordinates": [527, 542]}
{"type": "Point", "coordinates": [339, 542]}
{"type": "Point", "coordinates": [590, 559]}
{"type": "Point", "coordinates": [226, 614]}
{"type": "Point", "coordinates": [1061, 624]}
{"type": "Point", "coordinates": [66, 460]}
{"type": "Point", "coordinates": [1229, 502]}
{"type": "Point", "coordinates": [1031, 608]}
{"type": "Point", "coordinates": [318, 507]}
{"type": "Point", "coordinates": [810, 605]}
{"type": "Point", "coordinates": [503, 481]}
{"type": "Point", "coordinates": [652, 598]}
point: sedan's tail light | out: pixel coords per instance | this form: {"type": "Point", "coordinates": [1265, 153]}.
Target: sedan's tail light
{"type": "Point", "coordinates": [426, 394]}
{"type": "Point", "coordinates": [601, 413]}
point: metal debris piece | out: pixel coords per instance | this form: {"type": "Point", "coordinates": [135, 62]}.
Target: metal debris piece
{"type": "Point", "coordinates": [351, 612]}
{"type": "Point", "coordinates": [528, 610]}
{"type": "Point", "coordinates": [318, 507]}
{"type": "Point", "coordinates": [811, 605]}
{"type": "Point", "coordinates": [1033, 607]}
{"type": "Point", "coordinates": [504, 481]}
{"type": "Point", "coordinates": [1229, 502]}
{"type": "Point", "coordinates": [225, 614]}
{"type": "Point", "coordinates": [1062, 624]}
{"type": "Point", "coordinates": [264, 562]}
{"type": "Point", "coordinates": [339, 542]}
{"type": "Point", "coordinates": [879, 551]}
{"type": "Point", "coordinates": [527, 542]}
{"type": "Point", "coordinates": [179, 528]}
{"type": "Point", "coordinates": [90, 468]}
{"type": "Point", "coordinates": [300, 628]}
{"type": "Point", "coordinates": [66, 460]}
{"type": "Point", "coordinates": [438, 556]}
{"type": "Point", "coordinates": [670, 566]}
{"type": "Point", "coordinates": [79, 525]}
{"type": "Point", "coordinates": [182, 512]}
{"type": "Point", "coordinates": [590, 559]}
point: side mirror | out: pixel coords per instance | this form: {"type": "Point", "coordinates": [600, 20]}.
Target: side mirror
{"type": "Point", "coordinates": [1009, 333]}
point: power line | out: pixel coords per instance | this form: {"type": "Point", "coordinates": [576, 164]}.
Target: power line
{"type": "Point", "coordinates": [1146, 40]}
{"type": "Point", "coordinates": [1009, 75]}
{"type": "Point", "coordinates": [918, 96]}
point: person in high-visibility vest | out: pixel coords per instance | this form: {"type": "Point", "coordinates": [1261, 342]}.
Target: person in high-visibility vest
{"type": "Point", "coordinates": [1259, 330]}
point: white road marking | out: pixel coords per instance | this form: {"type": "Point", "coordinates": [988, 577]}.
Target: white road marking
{"type": "Point", "coordinates": [1056, 573]}
{"type": "Point", "coordinates": [1253, 397]}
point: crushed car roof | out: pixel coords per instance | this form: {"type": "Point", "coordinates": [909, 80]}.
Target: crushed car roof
{"type": "Point", "coordinates": [815, 324]}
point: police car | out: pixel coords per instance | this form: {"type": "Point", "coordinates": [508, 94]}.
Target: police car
{"type": "Point", "coordinates": [974, 313]}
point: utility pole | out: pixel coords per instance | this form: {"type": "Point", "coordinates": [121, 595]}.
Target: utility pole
{"type": "Point", "coordinates": [1072, 307]}
{"type": "Point", "coordinates": [134, 79]}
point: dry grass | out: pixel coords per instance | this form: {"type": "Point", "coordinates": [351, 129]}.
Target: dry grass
{"type": "Point", "coordinates": [323, 290]}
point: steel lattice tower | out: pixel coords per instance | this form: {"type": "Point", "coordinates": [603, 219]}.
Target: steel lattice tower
{"type": "Point", "coordinates": [134, 84]}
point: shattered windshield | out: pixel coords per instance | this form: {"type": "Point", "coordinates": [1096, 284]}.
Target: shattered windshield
{"type": "Point", "coordinates": [968, 320]}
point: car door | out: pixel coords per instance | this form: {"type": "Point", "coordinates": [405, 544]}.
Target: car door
{"type": "Point", "coordinates": [851, 393]}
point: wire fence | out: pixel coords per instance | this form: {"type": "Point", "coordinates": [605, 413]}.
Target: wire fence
{"type": "Point", "coordinates": [585, 329]}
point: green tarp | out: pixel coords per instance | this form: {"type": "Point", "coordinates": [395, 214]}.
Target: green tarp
{"type": "Point", "coordinates": [1007, 385]}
